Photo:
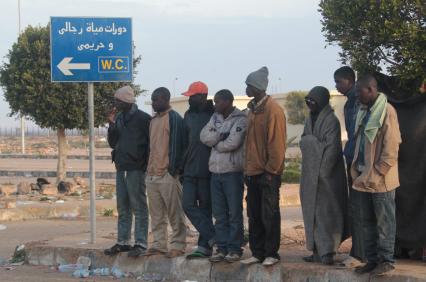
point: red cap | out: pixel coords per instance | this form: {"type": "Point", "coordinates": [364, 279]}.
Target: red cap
{"type": "Point", "coordinates": [196, 88]}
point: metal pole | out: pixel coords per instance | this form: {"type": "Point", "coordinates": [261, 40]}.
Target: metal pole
{"type": "Point", "coordinates": [22, 117]}
{"type": "Point", "coordinates": [92, 164]}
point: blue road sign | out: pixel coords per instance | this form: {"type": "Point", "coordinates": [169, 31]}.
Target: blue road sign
{"type": "Point", "coordinates": [91, 49]}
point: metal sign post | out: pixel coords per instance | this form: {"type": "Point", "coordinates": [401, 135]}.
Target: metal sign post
{"type": "Point", "coordinates": [92, 162]}
{"type": "Point", "coordinates": [91, 50]}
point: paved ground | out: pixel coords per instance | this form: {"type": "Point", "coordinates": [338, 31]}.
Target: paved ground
{"type": "Point", "coordinates": [75, 234]}
{"type": "Point", "coordinates": [20, 232]}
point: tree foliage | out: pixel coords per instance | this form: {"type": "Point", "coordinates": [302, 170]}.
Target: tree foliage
{"type": "Point", "coordinates": [28, 89]}
{"type": "Point", "coordinates": [297, 111]}
{"type": "Point", "coordinates": [386, 37]}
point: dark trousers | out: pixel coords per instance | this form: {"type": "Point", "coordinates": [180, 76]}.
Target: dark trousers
{"type": "Point", "coordinates": [131, 200]}
{"type": "Point", "coordinates": [197, 206]}
{"type": "Point", "coordinates": [355, 214]}
{"type": "Point", "coordinates": [227, 200]}
{"type": "Point", "coordinates": [263, 210]}
{"type": "Point", "coordinates": [379, 225]}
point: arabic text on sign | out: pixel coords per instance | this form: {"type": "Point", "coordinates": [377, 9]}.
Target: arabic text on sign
{"type": "Point", "coordinates": [92, 28]}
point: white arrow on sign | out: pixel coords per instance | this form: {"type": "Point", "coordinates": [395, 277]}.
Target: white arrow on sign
{"type": "Point", "coordinates": [65, 66]}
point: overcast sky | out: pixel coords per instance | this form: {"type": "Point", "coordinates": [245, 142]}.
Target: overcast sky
{"type": "Point", "coordinates": [215, 41]}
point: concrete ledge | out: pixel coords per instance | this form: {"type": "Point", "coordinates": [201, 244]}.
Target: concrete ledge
{"type": "Point", "coordinates": [202, 270]}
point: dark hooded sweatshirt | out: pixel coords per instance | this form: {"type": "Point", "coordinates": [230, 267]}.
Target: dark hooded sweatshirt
{"type": "Point", "coordinates": [129, 139]}
{"type": "Point", "coordinates": [197, 154]}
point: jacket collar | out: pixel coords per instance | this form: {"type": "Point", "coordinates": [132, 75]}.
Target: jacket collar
{"type": "Point", "coordinates": [208, 108]}
{"type": "Point", "coordinates": [162, 113]}
{"type": "Point", "coordinates": [259, 106]}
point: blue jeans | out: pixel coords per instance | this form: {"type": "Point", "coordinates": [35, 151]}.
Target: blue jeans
{"type": "Point", "coordinates": [196, 203]}
{"type": "Point", "coordinates": [379, 226]}
{"type": "Point", "coordinates": [131, 200]}
{"type": "Point", "coordinates": [227, 191]}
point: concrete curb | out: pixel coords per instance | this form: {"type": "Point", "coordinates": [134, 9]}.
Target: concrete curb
{"type": "Point", "coordinates": [179, 269]}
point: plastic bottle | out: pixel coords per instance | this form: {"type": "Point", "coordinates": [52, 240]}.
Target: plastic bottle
{"type": "Point", "coordinates": [101, 272]}
{"type": "Point", "coordinates": [69, 268]}
{"type": "Point", "coordinates": [117, 273]}
{"type": "Point", "coordinates": [81, 273]}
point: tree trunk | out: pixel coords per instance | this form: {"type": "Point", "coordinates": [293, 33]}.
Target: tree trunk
{"type": "Point", "coordinates": [61, 172]}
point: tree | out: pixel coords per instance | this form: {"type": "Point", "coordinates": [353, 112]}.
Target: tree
{"type": "Point", "coordinates": [297, 110]}
{"type": "Point", "coordinates": [29, 91]}
{"type": "Point", "coordinates": [383, 37]}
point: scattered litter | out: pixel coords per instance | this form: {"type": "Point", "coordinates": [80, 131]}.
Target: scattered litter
{"type": "Point", "coordinates": [101, 272]}
{"type": "Point", "coordinates": [18, 203]}
{"type": "Point", "coordinates": [117, 273]}
{"type": "Point", "coordinates": [87, 262]}
{"type": "Point", "coordinates": [70, 215]}
{"type": "Point", "coordinates": [100, 197]}
{"type": "Point", "coordinates": [3, 261]}
{"type": "Point", "coordinates": [152, 277]}
{"type": "Point", "coordinates": [3, 227]}
{"type": "Point", "coordinates": [69, 268]}
{"type": "Point", "coordinates": [16, 263]}
{"type": "Point", "coordinates": [81, 273]}
{"type": "Point", "coordinates": [83, 243]}
{"type": "Point", "coordinates": [60, 201]}
{"type": "Point", "coordinates": [19, 254]}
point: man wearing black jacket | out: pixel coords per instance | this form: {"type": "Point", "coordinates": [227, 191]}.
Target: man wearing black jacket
{"type": "Point", "coordinates": [196, 184]}
{"type": "Point", "coordinates": [128, 136]}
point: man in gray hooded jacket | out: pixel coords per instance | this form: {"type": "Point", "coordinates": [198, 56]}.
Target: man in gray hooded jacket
{"type": "Point", "coordinates": [225, 133]}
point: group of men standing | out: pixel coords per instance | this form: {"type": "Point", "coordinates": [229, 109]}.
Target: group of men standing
{"type": "Point", "coordinates": [371, 155]}
{"type": "Point", "coordinates": [196, 166]}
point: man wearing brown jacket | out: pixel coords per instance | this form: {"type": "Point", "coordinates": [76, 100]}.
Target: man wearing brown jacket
{"type": "Point", "coordinates": [375, 173]}
{"type": "Point", "coordinates": [264, 164]}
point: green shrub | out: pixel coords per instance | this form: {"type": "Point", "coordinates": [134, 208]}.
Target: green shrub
{"type": "Point", "coordinates": [292, 171]}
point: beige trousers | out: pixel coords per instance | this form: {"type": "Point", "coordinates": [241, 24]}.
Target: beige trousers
{"type": "Point", "coordinates": [165, 202]}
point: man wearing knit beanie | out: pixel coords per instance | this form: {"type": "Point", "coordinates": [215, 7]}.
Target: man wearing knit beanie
{"type": "Point", "coordinates": [128, 136]}
{"type": "Point", "coordinates": [264, 164]}
{"type": "Point", "coordinates": [259, 79]}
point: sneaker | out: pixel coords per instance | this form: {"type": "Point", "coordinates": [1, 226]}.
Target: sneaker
{"type": "Point", "coordinates": [153, 252]}
{"type": "Point", "coordinates": [197, 255]}
{"type": "Point", "coordinates": [117, 248]}
{"type": "Point", "coordinates": [383, 268]}
{"type": "Point", "coordinates": [251, 260]}
{"type": "Point", "coordinates": [175, 253]}
{"type": "Point", "coordinates": [368, 267]}
{"type": "Point", "coordinates": [269, 261]}
{"type": "Point", "coordinates": [219, 256]}
{"type": "Point", "coordinates": [233, 257]}
{"type": "Point", "coordinates": [136, 251]}
{"type": "Point", "coordinates": [312, 258]}
{"type": "Point", "coordinates": [327, 259]}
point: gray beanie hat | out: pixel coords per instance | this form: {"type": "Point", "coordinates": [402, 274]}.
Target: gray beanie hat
{"type": "Point", "coordinates": [258, 79]}
{"type": "Point", "coordinates": [125, 94]}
